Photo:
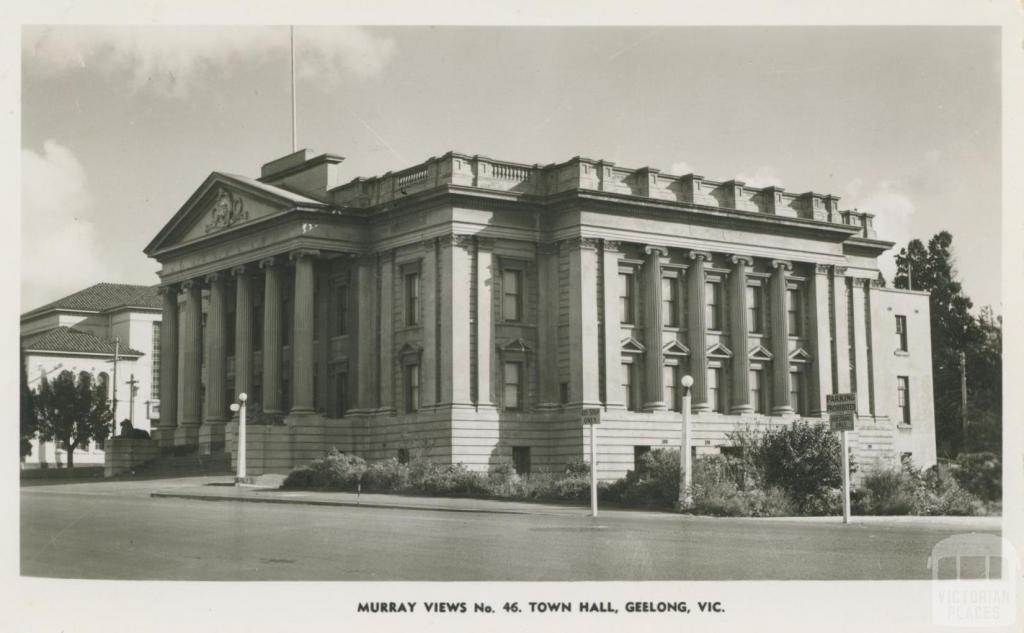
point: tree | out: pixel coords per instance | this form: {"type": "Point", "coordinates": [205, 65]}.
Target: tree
{"type": "Point", "coordinates": [953, 330]}
{"type": "Point", "coordinates": [29, 420]}
{"type": "Point", "coordinates": [73, 411]}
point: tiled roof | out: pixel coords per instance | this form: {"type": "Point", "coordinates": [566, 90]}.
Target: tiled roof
{"type": "Point", "coordinates": [104, 296]}
{"type": "Point", "coordinates": [72, 341]}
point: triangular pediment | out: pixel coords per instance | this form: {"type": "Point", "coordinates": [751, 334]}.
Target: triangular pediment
{"type": "Point", "coordinates": [632, 346]}
{"type": "Point", "coordinates": [516, 345]}
{"type": "Point", "coordinates": [223, 202]}
{"type": "Point", "coordinates": [719, 351]}
{"type": "Point", "coordinates": [758, 352]}
{"type": "Point", "coordinates": [799, 355]}
{"type": "Point", "coordinates": [675, 348]}
{"type": "Point", "coordinates": [409, 350]}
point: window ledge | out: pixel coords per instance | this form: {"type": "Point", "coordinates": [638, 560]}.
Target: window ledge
{"type": "Point", "coordinates": [901, 352]}
{"type": "Point", "coordinates": [904, 427]}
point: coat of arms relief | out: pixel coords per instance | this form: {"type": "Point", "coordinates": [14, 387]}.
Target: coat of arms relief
{"type": "Point", "coordinates": [227, 210]}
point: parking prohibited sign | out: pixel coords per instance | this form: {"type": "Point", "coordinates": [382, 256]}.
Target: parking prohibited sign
{"type": "Point", "coordinates": [842, 411]}
{"type": "Point", "coordinates": [591, 416]}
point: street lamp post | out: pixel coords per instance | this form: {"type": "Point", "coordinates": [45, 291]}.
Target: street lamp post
{"type": "Point", "coordinates": [685, 467]}
{"type": "Point", "coordinates": [240, 408]}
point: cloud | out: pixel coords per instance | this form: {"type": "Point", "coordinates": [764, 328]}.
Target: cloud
{"type": "Point", "coordinates": [764, 176]}
{"type": "Point", "coordinates": [680, 169]}
{"type": "Point", "coordinates": [168, 59]}
{"type": "Point", "coordinates": [60, 249]}
{"type": "Point", "coordinates": [894, 212]}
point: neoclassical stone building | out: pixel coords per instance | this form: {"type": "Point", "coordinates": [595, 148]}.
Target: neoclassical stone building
{"type": "Point", "coordinates": [465, 309]}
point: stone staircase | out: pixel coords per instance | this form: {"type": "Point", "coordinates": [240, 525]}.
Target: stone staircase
{"type": "Point", "coordinates": [185, 465]}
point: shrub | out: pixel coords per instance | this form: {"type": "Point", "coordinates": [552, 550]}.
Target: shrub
{"type": "Point", "coordinates": [654, 484]}
{"type": "Point", "coordinates": [803, 459]}
{"type": "Point", "coordinates": [334, 471]}
{"type": "Point", "coordinates": [446, 479]}
{"type": "Point", "coordinates": [911, 491]}
{"type": "Point", "coordinates": [980, 474]}
{"type": "Point", "coordinates": [386, 476]}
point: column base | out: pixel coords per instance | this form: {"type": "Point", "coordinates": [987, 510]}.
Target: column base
{"type": "Point", "coordinates": [164, 436]}
{"type": "Point", "coordinates": [187, 435]}
{"type": "Point", "coordinates": [701, 407]}
{"type": "Point", "coordinates": [786, 410]}
{"type": "Point", "coordinates": [211, 437]}
{"type": "Point", "coordinates": [742, 409]}
{"type": "Point", "coordinates": [655, 406]}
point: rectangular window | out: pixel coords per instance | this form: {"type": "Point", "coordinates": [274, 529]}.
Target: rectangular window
{"type": "Point", "coordinates": [412, 388]}
{"type": "Point", "coordinates": [563, 392]}
{"type": "Point", "coordinates": [903, 398]}
{"type": "Point", "coordinates": [757, 390]}
{"type": "Point", "coordinates": [901, 333]}
{"type": "Point", "coordinates": [638, 457]}
{"type": "Point", "coordinates": [412, 299]}
{"type": "Point", "coordinates": [513, 385]}
{"type": "Point", "coordinates": [713, 305]}
{"type": "Point", "coordinates": [627, 386]}
{"type": "Point", "coordinates": [625, 298]}
{"type": "Point", "coordinates": [670, 375]}
{"type": "Point", "coordinates": [521, 460]}
{"type": "Point", "coordinates": [154, 376]}
{"type": "Point", "coordinates": [796, 392]}
{"type": "Point", "coordinates": [669, 302]}
{"type": "Point", "coordinates": [340, 394]}
{"type": "Point", "coordinates": [403, 456]}
{"type": "Point", "coordinates": [512, 295]}
{"type": "Point", "coordinates": [794, 312]}
{"type": "Point", "coordinates": [715, 388]}
{"type": "Point", "coordinates": [341, 310]}
{"type": "Point", "coordinates": [755, 308]}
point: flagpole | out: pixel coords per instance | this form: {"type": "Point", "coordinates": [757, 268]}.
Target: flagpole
{"type": "Point", "coordinates": [295, 134]}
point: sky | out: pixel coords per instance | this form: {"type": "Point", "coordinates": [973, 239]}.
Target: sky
{"type": "Point", "coordinates": [121, 124]}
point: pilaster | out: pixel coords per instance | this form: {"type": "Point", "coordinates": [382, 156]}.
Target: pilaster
{"type": "Point", "coordinates": [547, 326]}
{"type": "Point", "coordinates": [386, 328]}
{"type": "Point", "coordinates": [366, 335]}
{"type": "Point", "coordinates": [860, 290]}
{"type": "Point", "coordinates": [584, 385]}
{"type": "Point", "coordinates": [271, 335]}
{"type": "Point", "coordinates": [168, 367]}
{"type": "Point", "coordinates": [484, 321]}
{"type": "Point", "coordinates": [820, 383]}
{"type": "Point", "coordinates": [840, 330]}
{"type": "Point", "coordinates": [612, 343]}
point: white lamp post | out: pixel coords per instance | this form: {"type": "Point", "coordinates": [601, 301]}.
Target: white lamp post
{"type": "Point", "coordinates": [685, 467]}
{"type": "Point", "coordinates": [240, 408]}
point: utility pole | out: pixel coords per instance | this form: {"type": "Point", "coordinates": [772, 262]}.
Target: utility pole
{"type": "Point", "coordinates": [963, 399]}
{"type": "Point", "coordinates": [132, 389]}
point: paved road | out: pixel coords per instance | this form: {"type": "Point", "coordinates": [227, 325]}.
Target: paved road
{"type": "Point", "coordinates": [116, 531]}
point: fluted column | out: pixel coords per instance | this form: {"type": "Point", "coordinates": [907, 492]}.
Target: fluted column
{"type": "Point", "coordinates": [168, 367]}
{"type": "Point", "coordinates": [302, 337]}
{"type": "Point", "coordinates": [840, 330]}
{"type": "Point", "coordinates": [654, 380]}
{"type": "Point", "coordinates": [271, 335]}
{"type": "Point", "coordinates": [191, 365]}
{"type": "Point", "coordinates": [612, 329]}
{"type": "Point", "coordinates": [738, 328]}
{"type": "Point", "coordinates": [216, 349]}
{"type": "Point", "coordinates": [547, 326]}
{"type": "Point", "coordinates": [386, 327]}
{"type": "Point", "coordinates": [584, 388]}
{"type": "Point", "coordinates": [821, 383]}
{"type": "Point", "coordinates": [697, 330]}
{"type": "Point", "coordinates": [780, 340]}
{"type": "Point", "coordinates": [243, 330]}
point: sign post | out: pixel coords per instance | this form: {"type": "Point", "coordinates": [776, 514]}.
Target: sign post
{"type": "Point", "coordinates": [591, 418]}
{"type": "Point", "coordinates": [842, 416]}
{"type": "Point", "coordinates": [239, 407]}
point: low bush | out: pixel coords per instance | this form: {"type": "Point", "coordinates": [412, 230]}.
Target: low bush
{"type": "Point", "coordinates": [913, 491]}
{"type": "Point", "coordinates": [980, 474]}
{"type": "Point", "coordinates": [654, 483]}
{"type": "Point", "coordinates": [803, 459]}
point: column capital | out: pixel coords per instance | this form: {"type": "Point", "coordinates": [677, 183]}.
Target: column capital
{"type": "Point", "coordinates": [169, 290]}
{"type": "Point", "coordinates": [745, 260]}
{"type": "Point", "coordinates": [547, 248]}
{"type": "Point", "coordinates": [267, 262]}
{"type": "Point", "coordinates": [588, 243]}
{"type": "Point", "coordinates": [612, 246]}
{"type": "Point", "coordinates": [299, 253]}
{"type": "Point", "coordinates": [840, 271]}
{"type": "Point", "coordinates": [651, 249]}
{"type": "Point", "coordinates": [822, 269]}
{"type": "Point", "coordinates": [699, 256]}
{"type": "Point", "coordinates": [189, 284]}
{"type": "Point", "coordinates": [456, 239]}
{"type": "Point", "coordinates": [240, 270]}
{"type": "Point", "coordinates": [783, 264]}
{"type": "Point", "coordinates": [212, 277]}
{"type": "Point", "coordinates": [876, 283]}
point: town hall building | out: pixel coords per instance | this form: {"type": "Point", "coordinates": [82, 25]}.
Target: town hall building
{"type": "Point", "coordinates": [466, 309]}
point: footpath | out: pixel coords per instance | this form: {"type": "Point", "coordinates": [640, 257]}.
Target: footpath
{"type": "Point", "coordinates": [266, 490]}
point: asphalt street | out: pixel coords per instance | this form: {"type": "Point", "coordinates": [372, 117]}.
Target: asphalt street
{"type": "Point", "coordinates": [115, 530]}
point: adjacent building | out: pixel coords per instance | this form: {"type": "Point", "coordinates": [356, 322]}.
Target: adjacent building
{"type": "Point", "coordinates": [83, 332]}
{"type": "Point", "coordinates": [465, 309]}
